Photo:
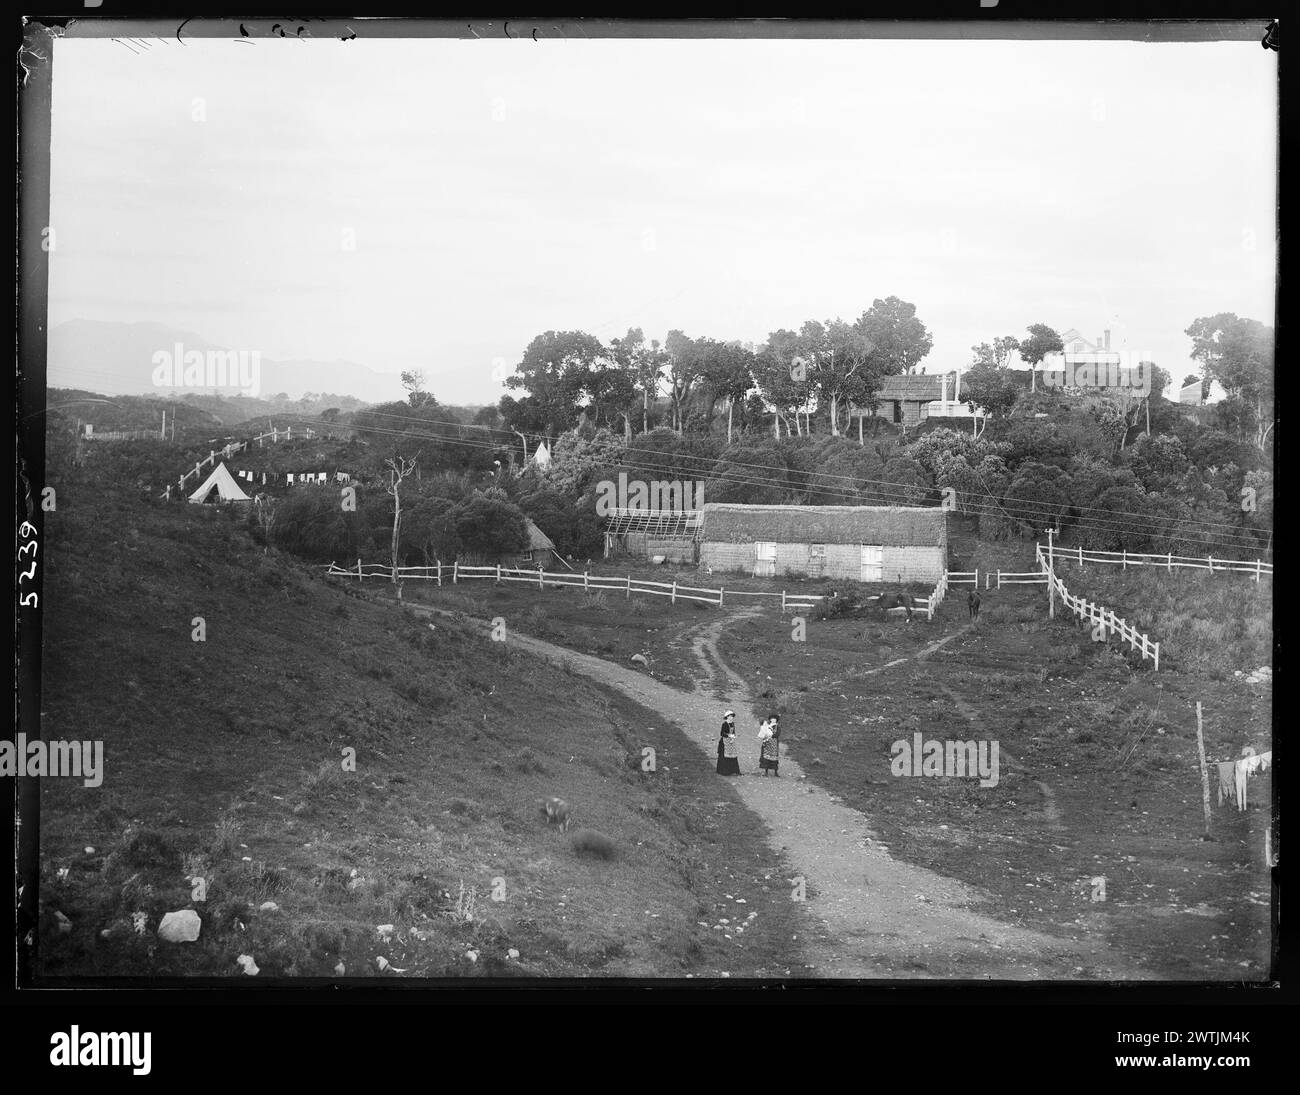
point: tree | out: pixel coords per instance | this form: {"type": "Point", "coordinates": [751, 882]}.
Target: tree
{"type": "Point", "coordinates": [899, 339]}
{"type": "Point", "coordinates": [1037, 497]}
{"type": "Point", "coordinates": [644, 363]}
{"type": "Point", "coordinates": [413, 382]}
{"type": "Point", "coordinates": [399, 469]}
{"type": "Point", "coordinates": [430, 529]}
{"type": "Point", "coordinates": [785, 378]}
{"type": "Point", "coordinates": [329, 414]}
{"type": "Point", "coordinates": [842, 372]}
{"type": "Point", "coordinates": [996, 354]}
{"type": "Point", "coordinates": [577, 461]}
{"type": "Point", "coordinates": [1238, 353]}
{"type": "Point", "coordinates": [557, 370]}
{"type": "Point", "coordinates": [683, 372]}
{"type": "Point", "coordinates": [1042, 340]}
{"type": "Point", "coordinates": [726, 372]}
{"type": "Point", "coordinates": [990, 387]}
{"type": "Point", "coordinates": [490, 526]}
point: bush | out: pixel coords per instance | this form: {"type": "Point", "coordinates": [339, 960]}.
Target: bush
{"type": "Point", "coordinates": [591, 843]}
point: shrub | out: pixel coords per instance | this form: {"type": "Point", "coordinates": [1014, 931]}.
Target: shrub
{"type": "Point", "coordinates": [591, 843]}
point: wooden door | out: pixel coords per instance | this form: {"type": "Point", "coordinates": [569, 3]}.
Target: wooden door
{"type": "Point", "coordinates": [873, 557]}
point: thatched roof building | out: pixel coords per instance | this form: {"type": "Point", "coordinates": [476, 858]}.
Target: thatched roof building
{"type": "Point", "coordinates": [864, 543]}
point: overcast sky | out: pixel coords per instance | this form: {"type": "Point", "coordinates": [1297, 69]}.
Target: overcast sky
{"type": "Point", "coordinates": [497, 189]}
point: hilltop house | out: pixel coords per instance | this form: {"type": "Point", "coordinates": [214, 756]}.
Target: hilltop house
{"type": "Point", "coordinates": [863, 543]}
{"type": "Point", "coordinates": [1191, 394]}
{"type": "Point", "coordinates": [1079, 352]}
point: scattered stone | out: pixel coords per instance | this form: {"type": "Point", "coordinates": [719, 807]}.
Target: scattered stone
{"type": "Point", "coordinates": [340, 969]}
{"type": "Point", "coordinates": [65, 925]}
{"type": "Point", "coordinates": [62, 874]}
{"type": "Point", "coordinates": [512, 953]}
{"type": "Point", "coordinates": [382, 963]}
{"type": "Point", "coordinates": [268, 906]}
{"type": "Point", "coordinates": [90, 850]}
{"type": "Point", "coordinates": [249, 966]}
{"type": "Point", "coordinates": [385, 931]}
{"type": "Point", "coordinates": [181, 926]}
{"type": "Point", "coordinates": [472, 955]}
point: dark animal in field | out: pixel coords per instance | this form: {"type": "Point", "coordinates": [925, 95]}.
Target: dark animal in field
{"type": "Point", "coordinates": [973, 604]}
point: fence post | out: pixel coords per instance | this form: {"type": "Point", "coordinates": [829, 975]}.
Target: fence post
{"type": "Point", "coordinates": [720, 588]}
{"type": "Point", "coordinates": [673, 599]}
{"type": "Point", "coordinates": [585, 580]}
{"type": "Point", "coordinates": [977, 578]}
{"type": "Point", "coordinates": [498, 573]}
{"type": "Point", "coordinates": [783, 602]}
{"type": "Point", "coordinates": [455, 571]}
{"type": "Point", "coordinates": [628, 594]}
{"type": "Point", "coordinates": [358, 570]}
{"type": "Point", "coordinates": [1210, 560]}
{"type": "Point", "coordinates": [1157, 646]}
{"type": "Point", "coordinates": [1124, 560]}
{"type": "Point", "coordinates": [439, 573]}
{"type": "Point", "coordinates": [541, 578]}
{"type": "Point", "coordinates": [1257, 570]}
{"type": "Point", "coordinates": [1080, 556]}
{"type": "Point", "coordinates": [999, 579]}
{"type": "Point", "coordinates": [1169, 562]}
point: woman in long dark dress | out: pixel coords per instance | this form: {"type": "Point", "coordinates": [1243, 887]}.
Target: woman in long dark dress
{"type": "Point", "coordinates": [728, 761]}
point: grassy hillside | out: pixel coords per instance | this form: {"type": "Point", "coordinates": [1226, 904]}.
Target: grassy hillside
{"type": "Point", "coordinates": [1099, 772]}
{"type": "Point", "coordinates": [223, 762]}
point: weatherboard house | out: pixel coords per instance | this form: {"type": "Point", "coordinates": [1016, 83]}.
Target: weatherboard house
{"type": "Point", "coordinates": [862, 543]}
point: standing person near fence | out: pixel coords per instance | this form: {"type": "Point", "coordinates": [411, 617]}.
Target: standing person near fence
{"type": "Point", "coordinates": [728, 753]}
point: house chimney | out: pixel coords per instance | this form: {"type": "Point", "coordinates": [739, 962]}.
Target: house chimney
{"type": "Point", "coordinates": [1108, 340]}
{"type": "Point", "coordinates": [1099, 342]}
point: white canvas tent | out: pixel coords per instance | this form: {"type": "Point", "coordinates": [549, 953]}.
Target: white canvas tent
{"type": "Point", "coordinates": [223, 483]}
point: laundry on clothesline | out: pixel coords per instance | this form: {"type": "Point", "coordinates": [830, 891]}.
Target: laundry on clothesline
{"type": "Point", "coordinates": [1227, 776]}
{"type": "Point", "coordinates": [1245, 766]}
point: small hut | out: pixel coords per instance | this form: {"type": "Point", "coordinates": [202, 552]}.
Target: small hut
{"type": "Point", "coordinates": [538, 550]}
{"type": "Point", "coordinates": [862, 543]}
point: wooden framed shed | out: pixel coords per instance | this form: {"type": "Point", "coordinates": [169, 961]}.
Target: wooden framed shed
{"type": "Point", "coordinates": [670, 533]}
{"type": "Point", "coordinates": [862, 543]}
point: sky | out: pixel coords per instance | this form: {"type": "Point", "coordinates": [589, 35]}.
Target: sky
{"type": "Point", "coordinates": [435, 204]}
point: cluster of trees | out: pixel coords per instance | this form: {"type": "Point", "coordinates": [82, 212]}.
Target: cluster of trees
{"type": "Point", "coordinates": [445, 516]}
{"type": "Point", "coordinates": [567, 378]}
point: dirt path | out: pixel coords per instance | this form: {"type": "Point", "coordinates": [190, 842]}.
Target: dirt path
{"type": "Point", "coordinates": [875, 916]}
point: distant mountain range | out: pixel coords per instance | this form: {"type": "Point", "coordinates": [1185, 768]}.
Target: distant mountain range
{"type": "Point", "coordinates": [119, 359]}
